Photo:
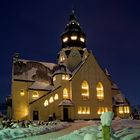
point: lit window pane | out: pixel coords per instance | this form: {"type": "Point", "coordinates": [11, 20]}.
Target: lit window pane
{"type": "Point", "coordinates": [51, 99]}
{"type": "Point", "coordinates": [22, 92]}
{"type": "Point", "coordinates": [46, 103]}
{"type": "Point", "coordinates": [65, 39]}
{"type": "Point", "coordinates": [73, 37]}
{"type": "Point", "coordinates": [35, 95]}
{"type": "Point", "coordinates": [56, 97]}
{"type": "Point", "coordinates": [82, 39]}
{"type": "Point", "coordinates": [100, 91]}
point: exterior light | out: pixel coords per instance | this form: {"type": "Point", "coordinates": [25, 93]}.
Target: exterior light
{"type": "Point", "coordinates": [35, 95]}
{"type": "Point", "coordinates": [22, 92]}
{"type": "Point", "coordinates": [73, 37]}
{"type": "Point", "coordinates": [82, 39]}
{"type": "Point", "coordinates": [65, 39]}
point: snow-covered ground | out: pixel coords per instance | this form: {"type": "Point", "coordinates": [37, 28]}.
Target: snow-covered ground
{"type": "Point", "coordinates": [125, 129]}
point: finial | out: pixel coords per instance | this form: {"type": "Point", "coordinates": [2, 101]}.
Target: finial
{"type": "Point", "coordinates": [72, 16]}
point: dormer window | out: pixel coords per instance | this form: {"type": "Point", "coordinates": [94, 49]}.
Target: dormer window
{"type": "Point", "coordinates": [65, 39]}
{"type": "Point", "coordinates": [62, 58]}
{"type": "Point", "coordinates": [82, 39]}
{"type": "Point", "coordinates": [73, 37]}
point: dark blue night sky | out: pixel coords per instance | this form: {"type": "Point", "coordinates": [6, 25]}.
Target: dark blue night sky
{"type": "Point", "coordinates": [33, 29]}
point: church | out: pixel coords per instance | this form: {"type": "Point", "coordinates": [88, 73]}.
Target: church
{"type": "Point", "coordinates": [76, 87]}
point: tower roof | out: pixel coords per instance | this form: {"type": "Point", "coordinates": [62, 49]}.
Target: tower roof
{"type": "Point", "coordinates": [73, 36]}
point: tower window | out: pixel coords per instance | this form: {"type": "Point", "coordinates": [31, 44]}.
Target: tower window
{"type": "Point", "coordinates": [73, 37]}
{"type": "Point", "coordinates": [85, 90]}
{"type": "Point", "coordinates": [82, 39]}
{"type": "Point", "coordinates": [65, 39]}
{"type": "Point", "coordinates": [62, 58]}
{"type": "Point", "coordinates": [65, 93]}
{"type": "Point", "coordinates": [65, 77]}
{"type": "Point", "coordinates": [100, 91]}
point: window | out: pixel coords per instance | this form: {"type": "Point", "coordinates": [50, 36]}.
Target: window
{"type": "Point", "coordinates": [35, 95]}
{"type": "Point", "coordinates": [83, 110]}
{"type": "Point", "coordinates": [54, 78]}
{"type": "Point", "coordinates": [82, 39]}
{"type": "Point", "coordinates": [65, 39]}
{"type": "Point", "coordinates": [65, 77]}
{"type": "Point", "coordinates": [65, 93]}
{"type": "Point", "coordinates": [124, 109]}
{"type": "Point", "coordinates": [85, 90]}
{"type": "Point", "coordinates": [22, 92]}
{"type": "Point", "coordinates": [51, 100]}
{"type": "Point", "coordinates": [100, 91]}
{"type": "Point", "coordinates": [56, 97]}
{"type": "Point", "coordinates": [73, 37]}
{"type": "Point", "coordinates": [101, 110]}
{"type": "Point", "coordinates": [62, 58]}
{"type": "Point", "coordinates": [46, 103]}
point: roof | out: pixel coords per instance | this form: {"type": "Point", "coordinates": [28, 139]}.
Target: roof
{"type": "Point", "coordinates": [32, 70]}
{"type": "Point", "coordinates": [66, 102]}
{"type": "Point", "coordinates": [41, 86]}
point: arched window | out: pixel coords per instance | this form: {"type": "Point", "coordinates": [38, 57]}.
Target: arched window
{"type": "Point", "coordinates": [51, 100]}
{"type": "Point", "coordinates": [65, 93]}
{"type": "Point", "coordinates": [46, 103]}
{"type": "Point", "coordinates": [56, 97]}
{"type": "Point", "coordinates": [85, 90]}
{"type": "Point", "coordinates": [100, 91]}
{"type": "Point", "coordinates": [35, 95]}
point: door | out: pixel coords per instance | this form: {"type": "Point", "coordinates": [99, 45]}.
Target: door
{"type": "Point", "coordinates": [35, 115]}
{"type": "Point", "coordinates": [65, 114]}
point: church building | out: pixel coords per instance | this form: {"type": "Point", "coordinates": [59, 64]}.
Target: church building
{"type": "Point", "coordinates": [76, 87]}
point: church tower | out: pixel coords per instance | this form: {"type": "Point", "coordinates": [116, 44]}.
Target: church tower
{"type": "Point", "coordinates": [73, 41]}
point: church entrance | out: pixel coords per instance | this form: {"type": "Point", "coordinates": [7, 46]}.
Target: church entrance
{"type": "Point", "coordinates": [35, 115]}
{"type": "Point", "coordinates": [65, 114]}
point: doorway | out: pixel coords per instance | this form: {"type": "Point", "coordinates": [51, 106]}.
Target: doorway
{"type": "Point", "coordinates": [65, 114]}
{"type": "Point", "coordinates": [35, 115]}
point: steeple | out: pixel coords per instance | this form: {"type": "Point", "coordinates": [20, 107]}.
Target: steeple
{"type": "Point", "coordinates": [73, 36]}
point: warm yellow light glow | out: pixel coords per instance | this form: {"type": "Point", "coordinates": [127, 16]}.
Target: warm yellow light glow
{"type": "Point", "coordinates": [85, 90]}
{"type": "Point", "coordinates": [73, 37]}
{"type": "Point", "coordinates": [100, 91]}
{"type": "Point", "coordinates": [56, 97]}
{"type": "Point", "coordinates": [62, 58]}
{"type": "Point", "coordinates": [65, 39]}
{"type": "Point", "coordinates": [124, 109]}
{"type": "Point", "coordinates": [54, 78]}
{"type": "Point", "coordinates": [51, 99]}
{"type": "Point", "coordinates": [82, 39]}
{"type": "Point", "coordinates": [83, 110]}
{"type": "Point", "coordinates": [35, 95]}
{"type": "Point", "coordinates": [101, 110]}
{"type": "Point", "coordinates": [65, 93]}
{"type": "Point", "coordinates": [121, 110]}
{"type": "Point", "coordinates": [65, 77]}
{"type": "Point", "coordinates": [22, 92]}
{"type": "Point", "coordinates": [46, 103]}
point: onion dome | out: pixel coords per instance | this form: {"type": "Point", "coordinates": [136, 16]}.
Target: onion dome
{"type": "Point", "coordinates": [73, 36]}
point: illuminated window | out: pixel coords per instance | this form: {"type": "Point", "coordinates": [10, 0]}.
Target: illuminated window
{"type": "Point", "coordinates": [35, 95]}
{"type": "Point", "coordinates": [56, 97]}
{"type": "Point", "coordinates": [100, 91]}
{"type": "Point", "coordinates": [85, 90]}
{"type": "Point", "coordinates": [101, 110]}
{"type": "Point", "coordinates": [62, 58]}
{"type": "Point", "coordinates": [83, 110]}
{"type": "Point", "coordinates": [65, 93]}
{"type": "Point", "coordinates": [65, 39]}
{"type": "Point", "coordinates": [46, 103]}
{"type": "Point", "coordinates": [82, 39]}
{"type": "Point", "coordinates": [124, 109]}
{"type": "Point", "coordinates": [51, 100]}
{"type": "Point", "coordinates": [65, 77]}
{"type": "Point", "coordinates": [22, 92]}
{"type": "Point", "coordinates": [73, 37]}
{"type": "Point", "coordinates": [54, 78]}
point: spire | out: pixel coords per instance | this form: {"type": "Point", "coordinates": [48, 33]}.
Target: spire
{"type": "Point", "coordinates": [72, 16]}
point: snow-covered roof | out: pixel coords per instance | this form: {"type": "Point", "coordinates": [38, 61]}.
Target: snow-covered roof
{"type": "Point", "coordinates": [41, 86]}
{"type": "Point", "coordinates": [66, 102]}
{"type": "Point", "coordinates": [114, 86]}
{"type": "Point", "coordinates": [32, 70]}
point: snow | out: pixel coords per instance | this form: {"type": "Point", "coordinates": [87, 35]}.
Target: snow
{"type": "Point", "coordinates": [66, 103]}
{"type": "Point", "coordinates": [41, 85]}
{"type": "Point", "coordinates": [122, 129]}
